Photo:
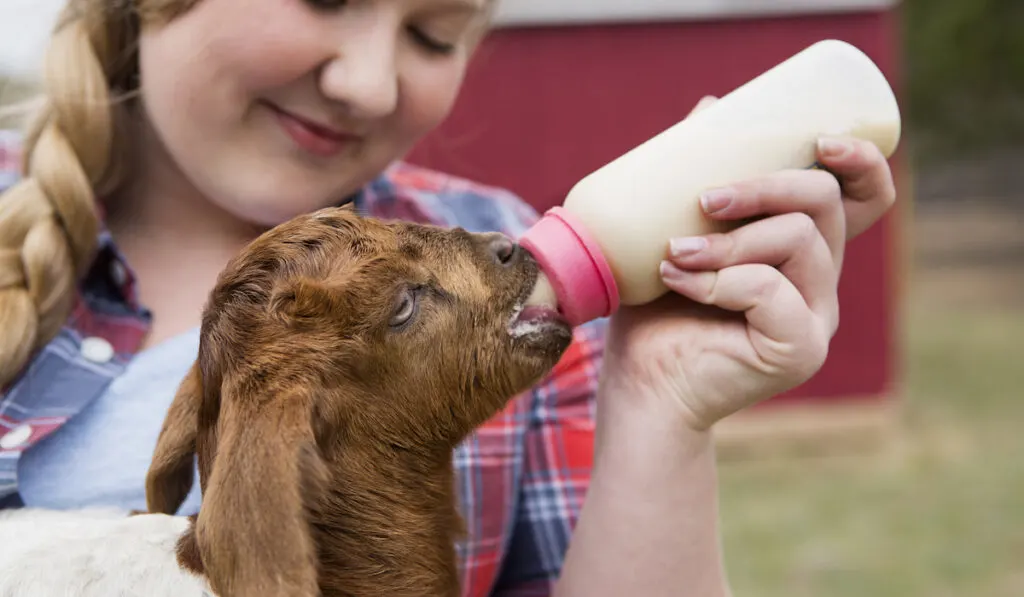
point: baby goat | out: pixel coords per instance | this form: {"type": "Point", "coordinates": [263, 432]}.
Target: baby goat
{"type": "Point", "coordinates": [341, 361]}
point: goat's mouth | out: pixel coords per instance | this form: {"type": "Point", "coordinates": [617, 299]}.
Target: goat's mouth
{"type": "Point", "coordinates": [536, 312]}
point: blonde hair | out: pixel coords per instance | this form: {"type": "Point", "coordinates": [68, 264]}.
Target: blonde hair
{"type": "Point", "coordinates": [72, 154]}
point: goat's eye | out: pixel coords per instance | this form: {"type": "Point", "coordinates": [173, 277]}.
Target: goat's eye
{"type": "Point", "coordinates": [405, 308]}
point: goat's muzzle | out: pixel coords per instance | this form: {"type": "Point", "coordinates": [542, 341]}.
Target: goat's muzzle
{"type": "Point", "coordinates": [535, 322]}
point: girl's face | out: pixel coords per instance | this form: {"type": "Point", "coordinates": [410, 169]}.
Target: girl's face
{"type": "Point", "coordinates": [271, 108]}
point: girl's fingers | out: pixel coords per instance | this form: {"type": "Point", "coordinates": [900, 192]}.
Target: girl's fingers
{"type": "Point", "coordinates": [813, 192]}
{"type": "Point", "coordinates": [865, 177]}
{"type": "Point", "coordinates": [790, 242]}
{"type": "Point", "coordinates": [786, 335]}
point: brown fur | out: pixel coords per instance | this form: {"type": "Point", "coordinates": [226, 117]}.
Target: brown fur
{"type": "Point", "coordinates": [324, 435]}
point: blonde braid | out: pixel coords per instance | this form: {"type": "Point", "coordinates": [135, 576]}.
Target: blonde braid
{"type": "Point", "coordinates": [48, 221]}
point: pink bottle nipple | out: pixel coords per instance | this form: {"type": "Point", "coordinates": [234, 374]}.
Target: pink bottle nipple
{"type": "Point", "coordinates": [575, 266]}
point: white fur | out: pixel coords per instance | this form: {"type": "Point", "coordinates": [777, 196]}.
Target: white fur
{"type": "Point", "coordinates": [92, 553]}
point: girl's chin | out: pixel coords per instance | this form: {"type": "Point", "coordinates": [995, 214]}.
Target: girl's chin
{"type": "Point", "coordinates": [267, 191]}
{"type": "Point", "coordinates": [267, 205]}
{"type": "Point", "coordinates": [270, 213]}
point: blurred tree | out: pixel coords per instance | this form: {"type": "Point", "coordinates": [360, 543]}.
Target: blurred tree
{"type": "Point", "coordinates": [965, 74]}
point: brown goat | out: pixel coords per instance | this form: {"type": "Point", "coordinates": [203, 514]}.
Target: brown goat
{"type": "Point", "coordinates": [341, 361]}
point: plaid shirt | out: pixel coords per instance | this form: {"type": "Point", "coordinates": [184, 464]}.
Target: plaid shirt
{"type": "Point", "coordinates": [522, 476]}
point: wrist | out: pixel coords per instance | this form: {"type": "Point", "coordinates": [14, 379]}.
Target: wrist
{"type": "Point", "coordinates": [645, 421]}
{"type": "Point", "coordinates": [645, 458]}
{"type": "Point", "coordinates": [647, 397]}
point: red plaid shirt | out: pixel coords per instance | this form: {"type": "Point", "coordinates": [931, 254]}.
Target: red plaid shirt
{"type": "Point", "coordinates": [522, 476]}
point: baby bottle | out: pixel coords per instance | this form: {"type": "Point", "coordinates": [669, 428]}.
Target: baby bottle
{"type": "Point", "coordinates": [602, 247]}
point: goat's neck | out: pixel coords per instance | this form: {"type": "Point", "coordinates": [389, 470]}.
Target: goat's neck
{"type": "Point", "coordinates": [391, 528]}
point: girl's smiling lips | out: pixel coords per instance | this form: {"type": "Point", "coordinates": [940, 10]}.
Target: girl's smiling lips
{"type": "Point", "coordinates": [314, 137]}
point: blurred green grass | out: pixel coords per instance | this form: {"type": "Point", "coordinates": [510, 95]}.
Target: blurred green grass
{"type": "Point", "coordinates": [940, 514]}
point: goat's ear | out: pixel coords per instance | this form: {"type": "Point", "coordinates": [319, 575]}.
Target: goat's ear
{"type": "Point", "coordinates": [305, 299]}
{"type": "Point", "coordinates": [253, 532]}
{"type": "Point", "coordinates": [170, 474]}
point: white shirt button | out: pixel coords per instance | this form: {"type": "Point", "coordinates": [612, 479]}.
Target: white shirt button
{"type": "Point", "coordinates": [16, 437]}
{"type": "Point", "coordinates": [97, 350]}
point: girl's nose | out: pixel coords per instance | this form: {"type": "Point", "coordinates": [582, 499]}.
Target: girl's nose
{"type": "Point", "coordinates": [364, 77]}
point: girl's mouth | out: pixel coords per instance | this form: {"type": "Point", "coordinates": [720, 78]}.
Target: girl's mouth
{"type": "Point", "coordinates": [311, 136]}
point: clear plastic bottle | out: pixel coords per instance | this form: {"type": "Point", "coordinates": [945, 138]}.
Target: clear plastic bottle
{"type": "Point", "coordinates": [603, 246]}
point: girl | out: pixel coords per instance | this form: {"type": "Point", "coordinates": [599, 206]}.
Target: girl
{"type": "Point", "coordinates": [174, 131]}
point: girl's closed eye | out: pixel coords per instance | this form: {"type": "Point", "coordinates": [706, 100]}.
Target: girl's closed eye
{"type": "Point", "coordinates": [429, 42]}
{"type": "Point", "coordinates": [327, 4]}
{"type": "Point", "coordinates": [432, 43]}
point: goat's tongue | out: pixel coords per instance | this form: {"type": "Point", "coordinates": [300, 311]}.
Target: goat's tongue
{"type": "Point", "coordinates": [538, 314]}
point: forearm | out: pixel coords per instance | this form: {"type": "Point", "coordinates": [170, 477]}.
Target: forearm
{"type": "Point", "coordinates": [650, 522]}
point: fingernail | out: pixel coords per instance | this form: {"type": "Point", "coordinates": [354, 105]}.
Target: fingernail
{"type": "Point", "coordinates": [832, 148]}
{"type": "Point", "coordinates": [684, 247]}
{"type": "Point", "coordinates": [716, 200]}
{"type": "Point", "coordinates": [670, 271]}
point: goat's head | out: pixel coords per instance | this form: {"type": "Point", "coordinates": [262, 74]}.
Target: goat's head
{"type": "Point", "coordinates": [329, 334]}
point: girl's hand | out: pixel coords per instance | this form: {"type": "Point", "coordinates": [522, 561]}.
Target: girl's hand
{"type": "Point", "coordinates": [763, 298]}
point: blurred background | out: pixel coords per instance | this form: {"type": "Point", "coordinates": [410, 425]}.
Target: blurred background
{"type": "Point", "coordinates": [898, 470]}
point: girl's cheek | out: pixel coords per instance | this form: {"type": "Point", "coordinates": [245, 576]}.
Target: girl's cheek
{"type": "Point", "coordinates": [257, 45]}
{"type": "Point", "coordinates": [430, 92]}
{"type": "Point", "coordinates": [270, 60]}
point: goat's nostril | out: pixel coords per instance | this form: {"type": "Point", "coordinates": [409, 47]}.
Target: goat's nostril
{"type": "Point", "coordinates": [503, 249]}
